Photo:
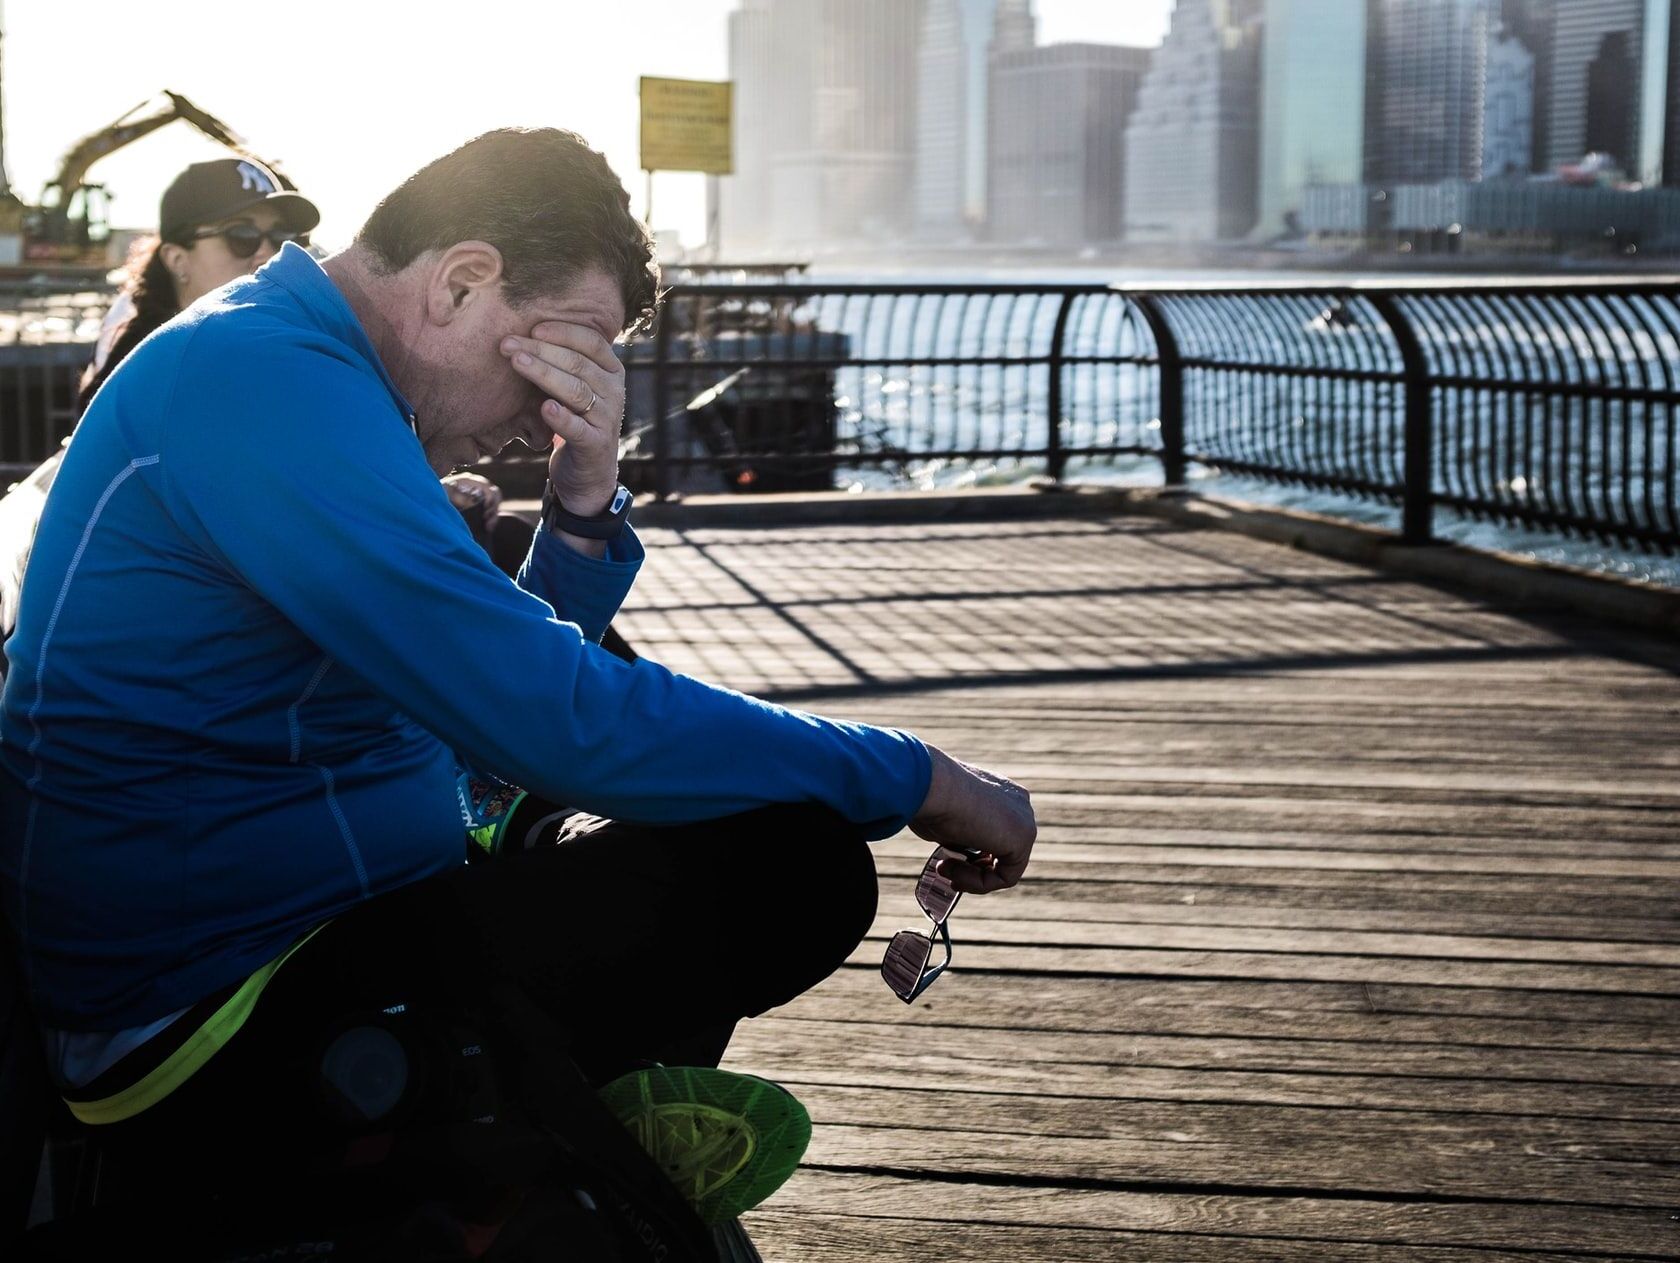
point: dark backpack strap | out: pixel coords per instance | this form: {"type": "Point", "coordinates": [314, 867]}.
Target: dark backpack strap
{"type": "Point", "coordinates": [564, 1103]}
{"type": "Point", "coordinates": [24, 1094]}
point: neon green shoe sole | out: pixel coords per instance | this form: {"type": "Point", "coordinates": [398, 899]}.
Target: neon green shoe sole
{"type": "Point", "coordinates": [727, 1141]}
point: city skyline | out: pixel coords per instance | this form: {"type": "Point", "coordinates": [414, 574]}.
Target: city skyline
{"type": "Point", "coordinates": [361, 103]}
{"type": "Point", "coordinates": [871, 122]}
{"type": "Point", "coordinates": [1385, 117]}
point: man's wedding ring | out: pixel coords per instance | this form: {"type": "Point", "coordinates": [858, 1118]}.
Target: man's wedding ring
{"type": "Point", "coordinates": [593, 400]}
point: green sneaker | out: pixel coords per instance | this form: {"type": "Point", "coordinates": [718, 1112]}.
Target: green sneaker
{"type": "Point", "coordinates": [727, 1141]}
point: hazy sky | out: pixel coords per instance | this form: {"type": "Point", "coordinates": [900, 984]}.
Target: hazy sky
{"type": "Point", "coordinates": [352, 97]}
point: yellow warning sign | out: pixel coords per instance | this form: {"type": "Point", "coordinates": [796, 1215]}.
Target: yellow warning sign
{"type": "Point", "coordinates": [686, 125]}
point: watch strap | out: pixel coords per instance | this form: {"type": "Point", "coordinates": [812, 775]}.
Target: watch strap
{"type": "Point", "coordinates": [604, 525]}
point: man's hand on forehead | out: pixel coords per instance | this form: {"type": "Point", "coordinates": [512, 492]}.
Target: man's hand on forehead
{"type": "Point", "coordinates": [574, 365]}
{"type": "Point", "coordinates": [579, 336]}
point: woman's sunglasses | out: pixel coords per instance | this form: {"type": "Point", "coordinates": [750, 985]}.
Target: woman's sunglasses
{"type": "Point", "coordinates": [244, 240]}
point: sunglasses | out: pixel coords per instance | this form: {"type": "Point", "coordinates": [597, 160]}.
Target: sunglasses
{"type": "Point", "coordinates": [244, 240]}
{"type": "Point", "coordinates": [905, 966]}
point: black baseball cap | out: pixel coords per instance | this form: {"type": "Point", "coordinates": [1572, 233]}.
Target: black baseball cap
{"type": "Point", "coordinates": [208, 192]}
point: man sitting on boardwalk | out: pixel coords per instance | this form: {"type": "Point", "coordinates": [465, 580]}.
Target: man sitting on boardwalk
{"type": "Point", "coordinates": [258, 652]}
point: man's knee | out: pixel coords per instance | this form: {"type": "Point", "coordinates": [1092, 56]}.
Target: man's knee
{"type": "Point", "coordinates": [821, 878]}
{"type": "Point", "coordinates": [836, 872]}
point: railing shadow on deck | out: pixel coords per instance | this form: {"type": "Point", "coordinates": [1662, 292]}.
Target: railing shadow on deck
{"type": "Point", "coordinates": [826, 612]}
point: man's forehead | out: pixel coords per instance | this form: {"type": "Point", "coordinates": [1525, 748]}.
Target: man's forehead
{"type": "Point", "coordinates": [592, 300]}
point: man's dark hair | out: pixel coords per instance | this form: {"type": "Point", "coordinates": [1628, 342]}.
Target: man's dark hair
{"type": "Point", "coordinates": [541, 196]}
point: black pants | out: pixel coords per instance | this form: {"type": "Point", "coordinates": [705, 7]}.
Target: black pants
{"type": "Point", "coordinates": [642, 944]}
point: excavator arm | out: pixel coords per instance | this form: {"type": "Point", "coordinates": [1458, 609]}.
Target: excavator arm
{"type": "Point", "coordinates": [142, 120]}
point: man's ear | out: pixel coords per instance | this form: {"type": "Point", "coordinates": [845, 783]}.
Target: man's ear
{"type": "Point", "coordinates": [460, 276]}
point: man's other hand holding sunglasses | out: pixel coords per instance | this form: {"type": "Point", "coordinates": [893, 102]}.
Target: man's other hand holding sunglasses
{"type": "Point", "coordinates": [985, 829]}
{"type": "Point", "coordinates": [972, 810]}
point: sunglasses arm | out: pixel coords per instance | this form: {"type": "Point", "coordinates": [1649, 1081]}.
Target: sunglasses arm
{"type": "Point", "coordinates": [929, 976]}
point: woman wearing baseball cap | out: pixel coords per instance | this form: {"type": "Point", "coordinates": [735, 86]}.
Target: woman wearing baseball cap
{"type": "Point", "coordinates": [218, 221]}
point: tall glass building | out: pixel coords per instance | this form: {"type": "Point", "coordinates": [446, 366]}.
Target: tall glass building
{"type": "Point", "coordinates": [957, 42]}
{"type": "Point", "coordinates": [1058, 137]}
{"type": "Point", "coordinates": [1508, 108]}
{"type": "Point", "coordinates": [1428, 77]}
{"type": "Point", "coordinates": [825, 95]}
{"type": "Point", "coordinates": [1671, 104]}
{"type": "Point", "coordinates": [1607, 83]}
{"type": "Point", "coordinates": [1312, 104]}
{"type": "Point", "coordinates": [1192, 144]}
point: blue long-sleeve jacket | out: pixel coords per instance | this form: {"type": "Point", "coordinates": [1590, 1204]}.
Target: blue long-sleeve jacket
{"type": "Point", "coordinates": [254, 639]}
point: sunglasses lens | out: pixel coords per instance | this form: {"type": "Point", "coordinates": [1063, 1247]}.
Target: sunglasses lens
{"type": "Point", "coordinates": [906, 958]}
{"type": "Point", "coordinates": [935, 895]}
{"type": "Point", "coordinates": [242, 240]}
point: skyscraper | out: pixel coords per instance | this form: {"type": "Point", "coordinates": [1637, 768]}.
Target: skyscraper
{"type": "Point", "coordinates": [956, 43]}
{"type": "Point", "coordinates": [1671, 106]}
{"type": "Point", "coordinates": [1532, 22]}
{"type": "Point", "coordinates": [1508, 108]}
{"type": "Point", "coordinates": [1312, 103]}
{"type": "Point", "coordinates": [1607, 78]}
{"type": "Point", "coordinates": [825, 139]}
{"type": "Point", "coordinates": [1015, 27]}
{"type": "Point", "coordinates": [1428, 84]}
{"type": "Point", "coordinates": [1057, 146]}
{"type": "Point", "coordinates": [742, 210]}
{"type": "Point", "coordinates": [1192, 143]}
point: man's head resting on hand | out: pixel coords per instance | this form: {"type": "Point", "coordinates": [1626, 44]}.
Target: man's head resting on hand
{"type": "Point", "coordinates": [518, 227]}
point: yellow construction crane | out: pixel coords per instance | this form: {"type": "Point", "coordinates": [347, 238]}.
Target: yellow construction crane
{"type": "Point", "coordinates": [69, 228]}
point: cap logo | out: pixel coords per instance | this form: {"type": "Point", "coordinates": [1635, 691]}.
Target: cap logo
{"type": "Point", "coordinates": [254, 179]}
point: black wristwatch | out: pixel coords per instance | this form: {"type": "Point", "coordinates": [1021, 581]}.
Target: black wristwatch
{"type": "Point", "coordinates": [604, 525]}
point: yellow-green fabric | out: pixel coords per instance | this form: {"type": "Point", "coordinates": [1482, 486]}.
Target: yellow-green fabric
{"type": "Point", "coordinates": [210, 1037]}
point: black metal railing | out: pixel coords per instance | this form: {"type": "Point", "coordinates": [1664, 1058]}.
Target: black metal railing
{"type": "Point", "coordinates": [1544, 406]}
{"type": "Point", "coordinates": [769, 387]}
{"type": "Point", "coordinates": [47, 331]}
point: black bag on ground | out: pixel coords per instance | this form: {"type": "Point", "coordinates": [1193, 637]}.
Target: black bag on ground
{"type": "Point", "coordinates": [551, 1175]}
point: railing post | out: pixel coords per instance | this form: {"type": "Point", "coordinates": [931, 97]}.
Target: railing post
{"type": "Point", "coordinates": [1172, 388]}
{"type": "Point", "coordinates": [1055, 460]}
{"type": "Point", "coordinates": [662, 401]}
{"type": "Point", "coordinates": [1418, 502]}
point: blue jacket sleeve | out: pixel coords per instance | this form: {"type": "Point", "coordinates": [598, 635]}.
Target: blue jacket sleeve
{"type": "Point", "coordinates": [296, 471]}
{"type": "Point", "coordinates": [583, 590]}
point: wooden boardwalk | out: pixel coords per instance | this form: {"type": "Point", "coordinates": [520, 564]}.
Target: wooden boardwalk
{"type": "Point", "coordinates": [1353, 930]}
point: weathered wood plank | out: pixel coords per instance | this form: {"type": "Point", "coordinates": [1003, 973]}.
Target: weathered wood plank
{"type": "Point", "coordinates": [1201, 963]}
{"type": "Point", "coordinates": [1036, 900]}
{"type": "Point", "coordinates": [1212, 1219]}
{"type": "Point", "coordinates": [1253, 1147]}
{"type": "Point", "coordinates": [797, 1066]}
{"type": "Point", "coordinates": [785, 1238]}
{"type": "Point", "coordinates": [987, 921]}
{"type": "Point", "coordinates": [1381, 1014]}
{"type": "Point", "coordinates": [889, 1044]}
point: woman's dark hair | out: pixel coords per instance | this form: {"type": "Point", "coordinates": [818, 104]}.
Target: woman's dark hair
{"type": "Point", "coordinates": [152, 291]}
{"type": "Point", "coordinates": [542, 197]}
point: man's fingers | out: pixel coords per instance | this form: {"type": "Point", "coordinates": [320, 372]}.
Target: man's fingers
{"type": "Point", "coordinates": [565, 423]}
{"type": "Point", "coordinates": [574, 392]}
{"type": "Point", "coordinates": [972, 879]}
{"type": "Point", "coordinates": [581, 339]}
